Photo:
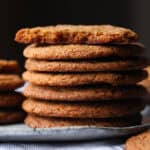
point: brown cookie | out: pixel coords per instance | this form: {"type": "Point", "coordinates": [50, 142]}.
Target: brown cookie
{"type": "Point", "coordinates": [48, 122]}
{"type": "Point", "coordinates": [82, 109]}
{"type": "Point", "coordinates": [11, 99]}
{"type": "Point", "coordinates": [148, 69]}
{"type": "Point", "coordinates": [146, 83]}
{"type": "Point", "coordinates": [72, 52]}
{"type": "Point", "coordinates": [11, 116]}
{"type": "Point", "coordinates": [139, 142]}
{"type": "Point", "coordinates": [85, 34]}
{"type": "Point", "coordinates": [85, 93]}
{"type": "Point", "coordinates": [85, 66]}
{"type": "Point", "coordinates": [70, 79]}
{"type": "Point", "coordinates": [10, 82]}
{"type": "Point", "coordinates": [9, 66]}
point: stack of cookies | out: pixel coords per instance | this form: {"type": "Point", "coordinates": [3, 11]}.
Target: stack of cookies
{"type": "Point", "coordinates": [83, 75]}
{"type": "Point", "coordinates": [10, 101]}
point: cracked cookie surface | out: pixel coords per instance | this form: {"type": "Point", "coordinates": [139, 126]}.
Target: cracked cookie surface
{"type": "Point", "coordinates": [85, 34]}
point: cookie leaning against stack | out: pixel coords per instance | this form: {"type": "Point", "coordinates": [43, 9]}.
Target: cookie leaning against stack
{"type": "Point", "coordinates": [146, 84]}
{"type": "Point", "coordinates": [10, 101]}
{"type": "Point", "coordinates": [91, 80]}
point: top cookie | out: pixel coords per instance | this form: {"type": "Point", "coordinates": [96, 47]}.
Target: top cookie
{"type": "Point", "coordinates": [9, 66]}
{"type": "Point", "coordinates": [77, 34]}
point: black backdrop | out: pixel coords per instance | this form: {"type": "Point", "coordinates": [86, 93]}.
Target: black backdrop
{"type": "Point", "coordinates": [16, 14]}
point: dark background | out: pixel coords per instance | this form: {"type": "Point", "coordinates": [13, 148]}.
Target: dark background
{"type": "Point", "coordinates": [15, 14]}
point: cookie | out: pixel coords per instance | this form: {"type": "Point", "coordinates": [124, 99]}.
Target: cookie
{"type": "Point", "coordinates": [11, 99]}
{"type": "Point", "coordinates": [94, 93]}
{"type": "Point", "coordinates": [148, 69]}
{"type": "Point", "coordinates": [85, 34]}
{"type": "Point", "coordinates": [48, 122]}
{"type": "Point", "coordinates": [82, 109]}
{"type": "Point", "coordinates": [70, 79]}
{"type": "Point", "coordinates": [139, 142]}
{"type": "Point", "coordinates": [10, 82]}
{"type": "Point", "coordinates": [146, 84]}
{"type": "Point", "coordinates": [85, 66]}
{"type": "Point", "coordinates": [11, 116]}
{"type": "Point", "coordinates": [73, 52]}
{"type": "Point", "coordinates": [9, 66]}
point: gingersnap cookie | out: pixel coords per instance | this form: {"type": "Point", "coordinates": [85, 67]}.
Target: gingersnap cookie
{"type": "Point", "coordinates": [10, 82]}
{"type": "Point", "coordinates": [82, 109]}
{"type": "Point", "coordinates": [72, 52]}
{"type": "Point", "coordinates": [49, 122]}
{"type": "Point", "coordinates": [146, 83]}
{"type": "Point", "coordinates": [148, 69]}
{"type": "Point", "coordinates": [85, 34]}
{"type": "Point", "coordinates": [71, 79]}
{"type": "Point", "coordinates": [9, 66]}
{"type": "Point", "coordinates": [85, 66]}
{"type": "Point", "coordinates": [11, 99]}
{"type": "Point", "coordinates": [84, 93]}
{"type": "Point", "coordinates": [11, 116]}
{"type": "Point", "coordinates": [139, 142]}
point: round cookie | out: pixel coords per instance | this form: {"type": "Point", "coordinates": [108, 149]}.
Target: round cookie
{"type": "Point", "coordinates": [148, 69]}
{"type": "Point", "coordinates": [11, 116]}
{"type": "Point", "coordinates": [146, 83]}
{"type": "Point", "coordinates": [9, 66]}
{"type": "Point", "coordinates": [139, 142]}
{"type": "Point", "coordinates": [82, 109]}
{"type": "Point", "coordinates": [11, 99]}
{"type": "Point", "coordinates": [85, 93]}
{"type": "Point", "coordinates": [85, 66]}
{"type": "Point", "coordinates": [73, 52]}
{"type": "Point", "coordinates": [85, 34]}
{"type": "Point", "coordinates": [10, 82]}
{"type": "Point", "coordinates": [49, 122]}
{"type": "Point", "coordinates": [70, 79]}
